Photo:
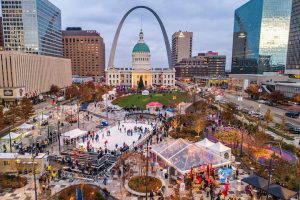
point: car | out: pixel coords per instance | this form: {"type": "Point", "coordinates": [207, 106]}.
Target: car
{"type": "Point", "coordinates": [245, 110]}
{"type": "Point", "coordinates": [270, 103]}
{"type": "Point", "coordinates": [295, 130]}
{"type": "Point", "coordinates": [261, 101]}
{"type": "Point", "coordinates": [44, 123]}
{"type": "Point", "coordinates": [292, 114]}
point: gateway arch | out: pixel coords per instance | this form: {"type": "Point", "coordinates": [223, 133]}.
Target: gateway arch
{"type": "Point", "coordinates": [114, 44]}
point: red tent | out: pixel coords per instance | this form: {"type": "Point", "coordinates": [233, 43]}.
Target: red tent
{"type": "Point", "coordinates": [154, 104]}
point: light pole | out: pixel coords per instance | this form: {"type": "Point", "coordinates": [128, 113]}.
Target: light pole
{"type": "Point", "coordinates": [147, 165]}
{"type": "Point", "coordinates": [78, 104]}
{"type": "Point", "coordinates": [269, 178]}
{"type": "Point", "coordinates": [242, 141]}
{"type": "Point", "coordinates": [58, 134]}
{"type": "Point", "coordinates": [34, 178]}
{"type": "Point", "coordinates": [106, 106]}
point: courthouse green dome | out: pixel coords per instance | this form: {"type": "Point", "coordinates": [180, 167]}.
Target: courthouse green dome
{"type": "Point", "coordinates": [141, 47]}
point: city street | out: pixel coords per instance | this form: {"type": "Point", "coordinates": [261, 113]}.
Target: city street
{"type": "Point", "coordinates": [255, 106]}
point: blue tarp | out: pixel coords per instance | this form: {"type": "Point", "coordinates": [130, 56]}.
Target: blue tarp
{"type": "Point", "coordinates": [171, 110]}
{"type": "Point", "coordinates": [79, 194]}
{"type": "Point", "coordinates": [84, 106]}
{"type": "Point", "coordinates": [104, 123]}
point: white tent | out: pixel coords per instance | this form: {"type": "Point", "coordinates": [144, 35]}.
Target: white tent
{"type": "Point", "coordinates": [205, 143]}
{"type": "Point", "coordinates": [42, 117]}
{"type": "Point", "coordinates": [25, 126]}
{"type": "Point", "coordinates": [145, 93]}
{"type": "Point", "coordinates": [221, 150]}
{"type": "Point", "coordinates": [74, 133]}
{"type": "Point", "coordinates": [13, 136]}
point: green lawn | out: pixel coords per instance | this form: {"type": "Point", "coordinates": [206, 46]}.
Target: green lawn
{"type": "Point", "coordinates": [141, 101]}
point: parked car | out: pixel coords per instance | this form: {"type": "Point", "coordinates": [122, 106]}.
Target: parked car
{"type": "Point", "coordinates": [261, 101]}
{"type": "Point", "coordinates": [44, 123]}
{"type": "Point", "coordinates": [270, 103]}
{"type": "Point", "coordinates": [295, 130]}
{"type": "Point", "coordinates": [292, 114]}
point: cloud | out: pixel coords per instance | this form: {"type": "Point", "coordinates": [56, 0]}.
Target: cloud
{"type": "Point", "coordinates": [210, 20]}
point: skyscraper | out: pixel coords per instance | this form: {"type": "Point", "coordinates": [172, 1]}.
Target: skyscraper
{"type": "Point", "coordinates": [260, 38]}
{"type": "Point", "coordinates": [32, 26]}
{"type": "Point", "coordinates": [182, 43]}
{"type": "Point", "coordinates": [293, 55]}
{"type": "Point", "coordinates": [1, 35]}
{"type": "Point", "coordinates": [86, 50]}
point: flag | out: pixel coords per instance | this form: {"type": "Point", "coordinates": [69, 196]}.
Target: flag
{"type": "Point", "coordinates": [79, 194]}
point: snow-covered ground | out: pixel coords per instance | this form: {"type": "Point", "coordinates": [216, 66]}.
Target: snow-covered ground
{"type": "Point", "coordinates": [116, 137]}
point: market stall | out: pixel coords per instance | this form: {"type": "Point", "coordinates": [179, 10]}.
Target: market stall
{"type": "Point", "coordinates": [154, 104]}
{"type": "Point", "coordinates": [221, 150]}
{"type": "Point", "coordinates": [25, 126]}
{"type": "Point", "coordinates": [42, 117]}
{"type": "Point", "coordinates": [72, 136]}
{"type": "Point", "coordinates": [206, 143]}
{"type": "Point", "coordinates": [13, 136]}
{"type": "Point", "coordinates": [183, 155]}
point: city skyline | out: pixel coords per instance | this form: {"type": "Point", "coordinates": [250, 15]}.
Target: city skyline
{"type": "Point", "coordinates": [105, 16]}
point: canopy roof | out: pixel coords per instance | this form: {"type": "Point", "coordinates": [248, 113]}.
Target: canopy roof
{"type": "Point", "coordinates": [13, 136]}
{"type": "Point", "coordinates": [154, 104]}
{"type": "Point", "coordinates": [25, 126]}
{"type": "Point", "coordinates": [219, 147]}
{"type": "Point", "coordinates": [183, 155]}
{"type": "Point", "coordinates": [280, 192]}
{"type": "Point", "coordinates": [74, 133]}
{"type": "Point", "coordinates": [42, 117]}
{"type": "Point", "coordinates": [256, 181]}
{"type": "Point", "coordinates": [205, 143]}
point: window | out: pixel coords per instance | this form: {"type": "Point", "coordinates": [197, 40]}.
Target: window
{"type": "Point", "coordinates": [5, 163]}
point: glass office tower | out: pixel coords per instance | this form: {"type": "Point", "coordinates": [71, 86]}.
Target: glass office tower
{"type": "Point", "coordinates": [260, 38]}
{"type": "Point", "coordinates": [32, 26]}
{"type": "Point", "coordinates": [293, 55]}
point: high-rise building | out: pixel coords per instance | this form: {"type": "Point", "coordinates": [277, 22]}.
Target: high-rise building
{"type": "Point", "coordinates": [1, 35]}
{"type": "Point", "coordinates": [209, 64]}
{"type": "Point", "coordinates": [86, 50]}
{"type": "Point", "coordinates": [28, 75]}
{"type": "Point", "coordinates": [293, 55]}
{"type": "Point", "coordinates": [216, 63]}
{"type": "Point", "coordinates": [182, 44]}
{"type": "Point", "coordinates": [260, 38]}
{"type": "Point", "coordinates": [32, 26]}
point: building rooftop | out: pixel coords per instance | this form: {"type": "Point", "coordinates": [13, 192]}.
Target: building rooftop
{"type": "Point", "coordinates": [141, 47]}
{"type": "Point", "coordinates": [20, 156]}
{"type": "Point", "coordinates": [80, 33]}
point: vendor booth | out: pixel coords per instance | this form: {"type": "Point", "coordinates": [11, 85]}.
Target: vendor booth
{"type": "Point", "coordinates": [25, 126]}
{"type": "Point", "coordinates": [154, 104]}
{"type": "Point", "coordinates": [145, 93]}
{"type": "Point", "coordinates": [206, 143]}
{"type": "Point", "coordinates": [18, 163]}
{"type": "Point", "coordinates": [13, 136]}
{"type": "Point", "coordinates": [71, 137]}
{"type": "Point", "coordinates": [221, 150]}
{"type": "Point", "coordinates": [183, 155]}
{"type": "Point", "coordinates": [42, 117]}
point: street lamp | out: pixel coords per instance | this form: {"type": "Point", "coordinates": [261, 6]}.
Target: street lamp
{"type": "Point", "coordinates": [78, 104]}
{"type": "Point", "coordinates": [242, 141]}
{"type": "Point", "coordinates": [58, 133]}
{"type": "Point", "coordinates": [34, 178]}
{"type": "Point", "coordinates": [269, 177]}
{"type": "Point", "coordinates": [147, 165]}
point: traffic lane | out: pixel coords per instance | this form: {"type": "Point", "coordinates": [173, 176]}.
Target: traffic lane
{"type": "Point", "coordinates": [277, 113]}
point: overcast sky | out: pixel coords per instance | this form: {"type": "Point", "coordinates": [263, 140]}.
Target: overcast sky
{"type": "Point", "coordinates": [210, 20]}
